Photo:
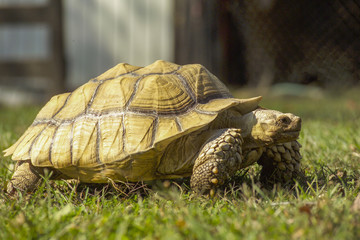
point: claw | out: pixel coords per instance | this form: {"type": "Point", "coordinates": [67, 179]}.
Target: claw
{"type": "Point", "coordinates": [212, 192]}
{"type": "Point", "coordinates": [214, 181]}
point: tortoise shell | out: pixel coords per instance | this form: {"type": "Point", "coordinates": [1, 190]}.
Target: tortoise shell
{"type": "Point", "coordinates": [118, 124]}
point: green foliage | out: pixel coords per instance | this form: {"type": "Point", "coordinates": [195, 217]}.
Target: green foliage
{"type": "Point", "coordinates": [317, 207]}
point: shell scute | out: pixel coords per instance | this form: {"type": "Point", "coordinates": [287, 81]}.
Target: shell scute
{"type": "Point", "coordinates": [40, 147]}
{"type": "Point", "coordinates": [21, 149]}
{"type": "Point", "coordinates": [139, 132]}
{"type": "Point", "coordinates": [167, 127]}
{"type": "Point", "coordinates": [53, 106]}
{"type": "Point", "coordinates": [111, 140]}
{"type": "Point", "coordinates": [113, 95]}
{"type": "Point", "coordinates": [203, 84]}
{"type": "Point", "coordinates": [195, 120]}
{"type": "Point", "coordinates": [160, 95]}
{"type": "Point", "coordinates": [61, 146]}
{"type": "Point", "coordinates": [159, 67]}
{"type": "Point", "coordinates": [84, 141]}
{"type": "Point", "coordinates": [117, 71]}
{"type": "Point", "coordinates": [78, 102]}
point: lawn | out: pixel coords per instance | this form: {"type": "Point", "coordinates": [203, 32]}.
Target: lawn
{"type": "Point", "coordinates": [319, 206]}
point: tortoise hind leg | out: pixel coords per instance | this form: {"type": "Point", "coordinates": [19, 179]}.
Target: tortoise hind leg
{"type": "Point", "coordinates": [27, 177]}
{"type": "Point", "coordinates": [218, 160]}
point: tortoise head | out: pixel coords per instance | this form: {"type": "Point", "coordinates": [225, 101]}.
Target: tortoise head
{"type": "Point", "coordinates": [268, 127]}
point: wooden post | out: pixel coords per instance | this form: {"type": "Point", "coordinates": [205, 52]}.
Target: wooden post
{"type": "Point", "coordinates": [53, 67]}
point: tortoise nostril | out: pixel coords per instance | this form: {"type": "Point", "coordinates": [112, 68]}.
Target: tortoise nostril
{"type": "Point", "coordinates": [285, 120]}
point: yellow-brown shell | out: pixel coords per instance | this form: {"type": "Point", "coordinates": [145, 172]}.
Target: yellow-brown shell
{"type": "Point", "coordinates": [126, 111]}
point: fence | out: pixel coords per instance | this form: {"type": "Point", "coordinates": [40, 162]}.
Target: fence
{"type": "Point", "coordinates": [256, 43]}
{"type": "Point", "coordinates": [300, 41]}
{"type": "Point", "coordinates": [261, 42]}
{"type": "Point", "coordinates": [17, 68]}
{"type": "Point", "coordinates": [98, 34]}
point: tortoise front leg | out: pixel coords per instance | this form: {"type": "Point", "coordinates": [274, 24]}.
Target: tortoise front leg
{"type": "Point", "coordinates": [281, 163]}
{"type": "Point", "coordinates": [219, 159]}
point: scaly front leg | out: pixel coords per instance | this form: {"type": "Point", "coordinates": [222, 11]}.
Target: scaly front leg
{"type": "Point", "coordinates": [281, 163]}
{"type": "Point", "coordinates": [219, 159]}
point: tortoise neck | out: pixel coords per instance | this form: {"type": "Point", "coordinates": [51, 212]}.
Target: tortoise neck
{"type": "Point", "coordinates": [233, 119]}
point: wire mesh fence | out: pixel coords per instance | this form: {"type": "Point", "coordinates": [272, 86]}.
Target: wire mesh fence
{"type": "Point", "coordinates": [303, 41]}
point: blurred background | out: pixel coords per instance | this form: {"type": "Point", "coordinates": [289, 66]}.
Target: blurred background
{"type": "Point", "coordinates": [287, 46]}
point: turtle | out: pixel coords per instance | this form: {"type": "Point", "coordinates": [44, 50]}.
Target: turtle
{"type": "Point", "coordinates": [162, 121]}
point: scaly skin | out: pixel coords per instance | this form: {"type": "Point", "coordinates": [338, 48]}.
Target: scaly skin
{"type": "Point", "coordinates": [281, 163]}
{"type": "Point", "coordinates": [218, 160]}
{"type": "Point", "coordinates": [26, 177]}
{"type": "Point", "coordinates": [262, 132]}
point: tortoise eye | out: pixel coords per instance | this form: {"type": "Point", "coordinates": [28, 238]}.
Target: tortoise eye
{"type": "Point", "coordinates": [284, 120]}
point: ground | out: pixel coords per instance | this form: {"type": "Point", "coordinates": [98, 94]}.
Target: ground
{"type": "Point", "coordinates": [317, 207]}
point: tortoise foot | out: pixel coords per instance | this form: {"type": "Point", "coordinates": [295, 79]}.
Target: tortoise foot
{"type": "Point", "coordinates": [26, 177]}
{"type": "Point", "coordinates": [218, 160]}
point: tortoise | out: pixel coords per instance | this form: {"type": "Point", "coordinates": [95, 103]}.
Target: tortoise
{"type": "Point", "coordinates": [162, 121]}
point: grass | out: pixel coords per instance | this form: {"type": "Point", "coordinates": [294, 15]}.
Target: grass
{"type": "Point", "coordinates": [317, 208]}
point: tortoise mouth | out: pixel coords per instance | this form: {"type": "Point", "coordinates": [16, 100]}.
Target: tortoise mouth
{"type": "Point", "coordinates": [285, 136]}
{"type": "Point", "coordinates": [292, 131]}
{"type": "Point", "coordinates": [289, 136]}
{"type": "Point", "coordinates": [293, 135]}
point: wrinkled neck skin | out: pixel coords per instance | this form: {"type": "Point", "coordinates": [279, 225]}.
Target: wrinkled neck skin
{"type": "Point", "coordinates": [245, 123]}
